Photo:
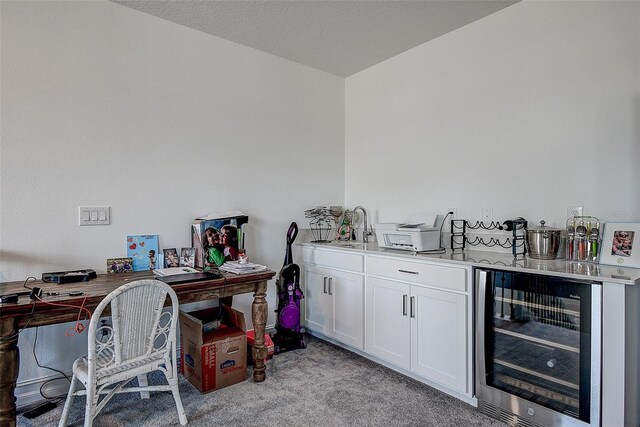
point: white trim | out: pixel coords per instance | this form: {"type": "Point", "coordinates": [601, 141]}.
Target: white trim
{"type": "Point", "coordinates": [28, 391]}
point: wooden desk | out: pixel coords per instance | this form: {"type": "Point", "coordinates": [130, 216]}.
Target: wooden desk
{"type": "Point", "coordinates": [14, 317]}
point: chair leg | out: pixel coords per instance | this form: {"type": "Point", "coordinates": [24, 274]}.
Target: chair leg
{"type": "Point", "coordinates": [173, 383]}
{"type": "Point", "coordinates": [142, 382]}
{"type": "Point", "coordinates": [90, 407]}
{"type": "Point", "coordinates": [68, 402]}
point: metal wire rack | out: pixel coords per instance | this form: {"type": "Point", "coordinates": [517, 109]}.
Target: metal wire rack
{"type": "Point", "coordinates": [459, 238]}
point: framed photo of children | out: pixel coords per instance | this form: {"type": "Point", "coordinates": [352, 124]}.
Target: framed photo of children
{"type": "Point", "coordinates": [621, 244]}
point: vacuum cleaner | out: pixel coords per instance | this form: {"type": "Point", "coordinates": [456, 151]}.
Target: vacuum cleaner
{"type": "Point", "coordinates": [288, 336]}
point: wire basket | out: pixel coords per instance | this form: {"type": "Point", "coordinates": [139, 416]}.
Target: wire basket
{"type": "Point", "coordinates": [322, 221]}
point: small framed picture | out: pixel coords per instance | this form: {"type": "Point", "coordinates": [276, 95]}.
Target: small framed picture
{"type": "Point", "coordinates": [171, 258]}
{"type": "Point", "coordinates": [119, 265]}
{"type": "Point", "coordinates": [187, 257]}
{"type": "Point", "coordinates": [621, 244]}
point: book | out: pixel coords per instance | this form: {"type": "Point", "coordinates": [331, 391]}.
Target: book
{"type": "Point", "coordinates": [143, 249]}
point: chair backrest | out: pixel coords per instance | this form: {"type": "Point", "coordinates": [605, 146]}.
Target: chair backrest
{"type": "Point", "coordinates": [139, 326]}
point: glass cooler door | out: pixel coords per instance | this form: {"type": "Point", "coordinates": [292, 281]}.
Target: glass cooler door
{"type": "Point", "coordinates": [537, 333]}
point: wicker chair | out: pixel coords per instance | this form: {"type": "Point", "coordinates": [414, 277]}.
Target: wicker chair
{"type": "Point", "coordinates": [142, 339]}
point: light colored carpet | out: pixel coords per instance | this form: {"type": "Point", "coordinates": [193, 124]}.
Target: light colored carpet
{"type": "Point", "coordinates": [322, 385]}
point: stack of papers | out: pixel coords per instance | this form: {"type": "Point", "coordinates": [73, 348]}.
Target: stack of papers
{"type": "Point", "coordinates": [173, 271]}
{"type": "Point", "coordinates": [237, 268]}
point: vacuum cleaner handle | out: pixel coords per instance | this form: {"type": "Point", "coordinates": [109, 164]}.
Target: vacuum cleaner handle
{"type": "Point", "coordinates": [292, 233]}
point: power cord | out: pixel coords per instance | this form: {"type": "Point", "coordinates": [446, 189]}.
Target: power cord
{"type": "Point", "coordinates": [33, 307]}
{"type": "Point", "coordinates": [27, 281]}
{"type": "Point", "coordinates": [441, 225]}
{"type": "Point", "coordinates": [35, 342]}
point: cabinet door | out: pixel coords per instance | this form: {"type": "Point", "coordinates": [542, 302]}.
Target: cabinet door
{"type": "Point", "coordinates": [347, 290]}
{"type": "Point", "coordinates": [438, 337]}
{"type": "Point", "coordinates": [317, 301]}
{"type": "Point", "coordinates": [387, 321]}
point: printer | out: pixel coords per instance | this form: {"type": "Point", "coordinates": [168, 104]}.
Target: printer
{"type": "Point", "coordinates": [421, 234]}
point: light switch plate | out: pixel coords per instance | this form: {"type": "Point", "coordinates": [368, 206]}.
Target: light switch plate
{"type": "Point", "coordinates": [94, 215]}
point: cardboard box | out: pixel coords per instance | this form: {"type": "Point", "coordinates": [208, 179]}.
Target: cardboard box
{"type": "Point", "coordinates": [215, 359]}
{"type": "Point", "coordinates": [216, 222]}
{"type": "Point", "coordinates": [268, 342]}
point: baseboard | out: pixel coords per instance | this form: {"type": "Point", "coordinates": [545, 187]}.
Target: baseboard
{"type": "Point", "coordinates": [28, 392]}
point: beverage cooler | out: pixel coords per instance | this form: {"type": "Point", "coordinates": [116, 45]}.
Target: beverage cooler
{"type": "Point", "coordinates": [538, 346]}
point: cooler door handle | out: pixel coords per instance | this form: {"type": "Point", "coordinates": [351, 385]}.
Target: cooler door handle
{"type": "Point", "coordinates": [481, 295]}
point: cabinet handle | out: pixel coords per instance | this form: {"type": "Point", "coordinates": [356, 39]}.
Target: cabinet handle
{"type": "Point", "coordinates": [408, 272]}
{"type": "Point", "coordinates": [330, 279]}
{"type": "Point", "coordinates": [325, 285]}
{"type": "Point", "coordinates": [413, 307]}
{"type": "Point", "coordinates": [404, 305]}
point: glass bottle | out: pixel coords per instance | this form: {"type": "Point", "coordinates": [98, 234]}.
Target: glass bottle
{"type": "Point", "coordinates": [581, 241]}
{"type": "Point", "coordinates": [571, 229]}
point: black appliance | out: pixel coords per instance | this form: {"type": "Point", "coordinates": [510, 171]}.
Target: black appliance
{"type": "Point", "coordinates": [538, 348]}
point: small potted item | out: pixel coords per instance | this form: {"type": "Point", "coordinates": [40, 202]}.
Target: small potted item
{"type": "Point", "coordinates": [543, 242]}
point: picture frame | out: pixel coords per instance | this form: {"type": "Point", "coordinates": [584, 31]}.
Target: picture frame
{"type": "Point", "coordinates": [143, 248]}
{"type": "Point", "coordinates": [621, 244]}
{"type": "Point", "coordinates": [187, 257]}
{"type": "Point", "coordinates": [119, 265]}
{"type": "Point", "coordinates": [171, 258]}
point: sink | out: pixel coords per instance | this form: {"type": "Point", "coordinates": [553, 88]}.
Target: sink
{"type": "Point", "coordinates": [348, 244]}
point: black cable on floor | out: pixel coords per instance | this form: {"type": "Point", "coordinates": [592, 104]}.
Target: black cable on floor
{"type": "Point", "coordinates": [35, 342]}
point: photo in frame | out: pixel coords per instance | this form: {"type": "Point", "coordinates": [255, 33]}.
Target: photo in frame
{"type": "Point", "coordinates": [187, 257]}
{"type": "Point", "coordinates": [119, 265]}
{"type": "Point", "coordinates": [621, 244]}
{"type": "Point", "coordinates": [171, 258]}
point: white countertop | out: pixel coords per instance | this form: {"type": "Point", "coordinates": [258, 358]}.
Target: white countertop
{"type": "Point", "coordinates": [502, 261]}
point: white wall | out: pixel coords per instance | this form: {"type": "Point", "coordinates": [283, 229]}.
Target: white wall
{"type": "Point", "coordinates": [105, 105]}
{"type": "Point", "coordinates": [527, 111]}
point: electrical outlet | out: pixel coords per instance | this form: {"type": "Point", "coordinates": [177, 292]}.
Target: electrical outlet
{"type": "Point", "coordinates": [487, 215]}
{"type": "Point", "coordinates": [574, 211]}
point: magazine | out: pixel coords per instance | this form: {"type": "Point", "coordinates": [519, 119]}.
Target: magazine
{"type": "Point", "coordinates": [173, 271]}
{"type": "Point", "coordinates": [245, 268]}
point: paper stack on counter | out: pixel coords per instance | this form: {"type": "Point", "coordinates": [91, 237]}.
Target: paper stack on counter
{"type": "Point", "coordinates": [237, 268]}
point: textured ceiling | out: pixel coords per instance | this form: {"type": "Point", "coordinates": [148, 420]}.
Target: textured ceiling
{"type": "Point", "coordinates": [339, 37]}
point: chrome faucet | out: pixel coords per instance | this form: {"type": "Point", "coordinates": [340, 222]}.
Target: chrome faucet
{"type": "Point", "coordinates": [365, 233]}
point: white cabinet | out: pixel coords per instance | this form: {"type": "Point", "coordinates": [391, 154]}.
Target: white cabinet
{"type": "Point", "coordinates": [411, 315]}
{"type": "Point", "coordinates": [387, 321]}
{"type": "Point", "coordinates": [317, 304]}
{"type": "Point", "coordinates": [439, 337]}
{"type": "Point", "coordinates": [334, 298]}
{"type": "Point", "coordinates": [417, 318]}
